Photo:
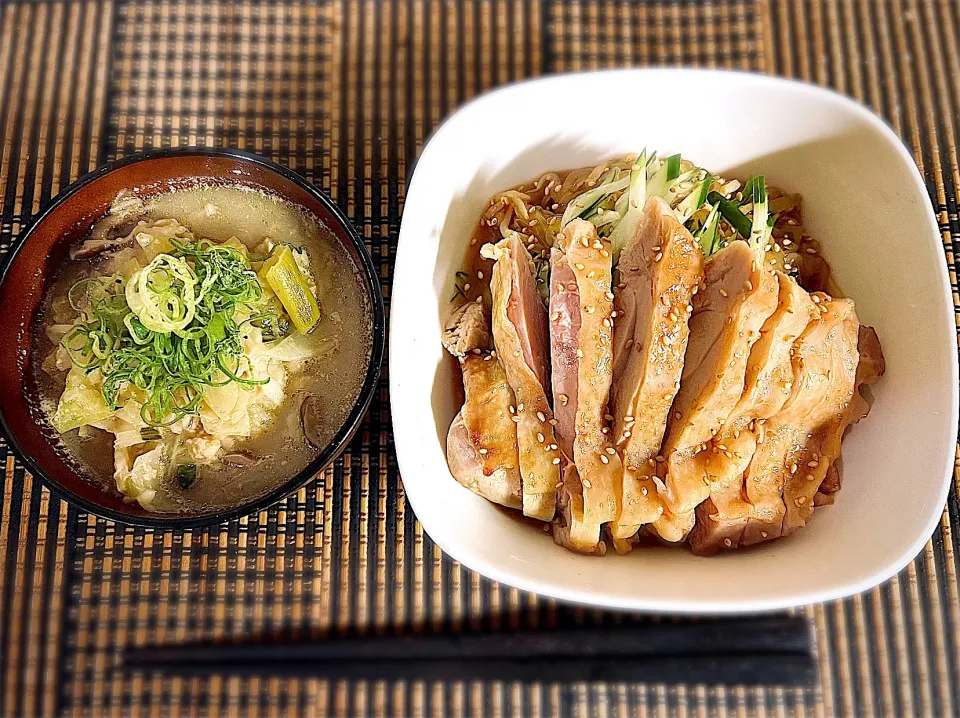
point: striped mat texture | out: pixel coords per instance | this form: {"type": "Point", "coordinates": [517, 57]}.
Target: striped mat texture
{"type": "Point", "coordinates": [346, 93]}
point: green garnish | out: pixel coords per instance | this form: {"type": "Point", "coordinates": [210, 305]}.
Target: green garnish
{"type": "Point", "coordinates": [708, 236]}
{"type": "Point", "coordinates": [173, 329]}
{"type": "Point", "coordinates": [673, 167]}
{"type": "Point", "coordinates": [186, 475]}
{"type": "Point", "coordinates": [731, 212]}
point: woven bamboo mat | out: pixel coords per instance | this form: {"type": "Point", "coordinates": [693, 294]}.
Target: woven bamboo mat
{"type": "Point", "coordinates": [346, 93]}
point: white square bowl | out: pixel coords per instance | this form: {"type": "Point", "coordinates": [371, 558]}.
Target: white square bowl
{"type": "Point", "coordinates": [863, 199]}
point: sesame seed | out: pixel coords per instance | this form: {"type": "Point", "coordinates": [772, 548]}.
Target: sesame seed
{"type": "Point", "coordinates": [591, 274]}
{"type": "Point", "coordinates": [560, 288]}
{"type": "Point", "coordinates": [579, 266]}
{"type": "Point", "coordinates": [513, 409]}
{"type": "Point", "coordinates": [585, 242]}
{"type": "Point", "coordinates": [540, 437]}
{"type": "Point", "coordinates": [520, 407]}
{"type": "Point", "coordinates": [644, 491]}
{"type": "Point", "coordinates": [813, 464]}
{"type": "Point", "coordinates": [801, 501]}
{"type": "Point", "coordinates": [763, 534]}
{"type": "Point", "coordinates": [628, 344]}
{"type": "Point", "coordinates": [563, 399]}
{"type": "Point", "coordinates": [609, 295]}
{"type": "Point", "coordinates": [480, 300]}
{"type": "Point", "coordinates": [604, 253]}
{"type": "Point", "coordinates": [810, 250]}
{"type": "Point", "coordinates": [810, 477]}
{"type": "Point", "coordinates": [561, 235]}
{"type": "Point", "coordinates": [610, 450]}
{"type": "Point", "coordinates": [727, 542]}
{"type": "Point", "coordinates": [555, 316]}
{"type": "Point", "coordinates": [748, 285]}
{"type": "Point", "coordinates": [598, 245]}
{"type": "Point", "coordinates": [553, 422]}
{"type": "Point", "coordinates": [484, 452]}
{"type": "Point", "coordinates": [580, 353]}
{"type": "Point", "coordinates": [604, 430]}
{"type": "Point", "coordinates": [723, 293]}
{"type": "Point", "coordinates": [604, 459]}
{"type": "Point", "coordinates": [652, 462]}
{"type": "Point", "coordinates": [587, 484]}
{"type": "Point", "coordinates": [553, 447]}
{"type": "Point", "coordinates": [479, 275]}
{"type": "Point", "coordinates": [556, 460]}
{"type": "Point", "coordinates": [658, 257]}
{"type": "Point", "coordinates": [540, 416]}
{"type": "Point", "coordinates": [515, 419]}
{"type": "Point", "coordinates": [477, 351]}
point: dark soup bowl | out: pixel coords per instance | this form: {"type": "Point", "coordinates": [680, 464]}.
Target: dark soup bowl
{"type": "Point", "coordinates": [40, 255]}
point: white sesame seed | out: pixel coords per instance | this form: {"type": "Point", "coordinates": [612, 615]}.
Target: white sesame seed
{"type": "Point", "coordinates": [483, 451]}
{"type": "Point", "coordinates": [604, 459]}
{"type": "Point", "coordinates": [541, 416]}
{"type": "Point", "coordinates": [556, 460]}
{"type": "Point", "coordinates": [587, 484]}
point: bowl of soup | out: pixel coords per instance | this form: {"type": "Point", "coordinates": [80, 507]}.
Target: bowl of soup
{"type": "Point", "coordinates": [194, 333]}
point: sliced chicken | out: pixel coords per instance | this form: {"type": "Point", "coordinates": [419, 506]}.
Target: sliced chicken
{"type": "Point", "coordinates": [739, 295]}
{"type": "Point", "coordinates": [572, 528]}
{"type": "Point", "coordinates": [522, 342]}
{"type": "Point", "coordinates": [467, 330]}
{"type": "Point", "coordinates": [482, 441]}
{"type": "Point", "coordinates": [869, 370]}
{"type": "Point", "coordinates": [564, 342]}
{"type": "Point", "coordinates": [768, 380]}
{"type": "Point", "coordinates": [660, 270]}
{"type": "Point", "coordinates": [803, 439]}
{"type": "Point", "coordinates": [582, 341]}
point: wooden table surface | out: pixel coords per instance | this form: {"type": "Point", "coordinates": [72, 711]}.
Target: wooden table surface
{"type": "Point", "coordinates": [346, 93]}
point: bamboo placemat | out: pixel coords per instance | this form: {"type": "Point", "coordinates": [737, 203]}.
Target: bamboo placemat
{"type": "Point", "coordinates": [346, 93]}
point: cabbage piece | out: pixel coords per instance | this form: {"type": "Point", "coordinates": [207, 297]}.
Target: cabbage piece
{"type": "Point", "coordinates": [139, 473]}
{"type": "Point", "coordinates": [298, 347]}
{"type": "Point", "coordinates": [81, 403]}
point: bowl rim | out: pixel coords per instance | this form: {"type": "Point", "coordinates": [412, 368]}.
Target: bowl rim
{"type": "Point", "coordinates": [343, 435]}
{"type": "Point", "coordinates": [696, 606]}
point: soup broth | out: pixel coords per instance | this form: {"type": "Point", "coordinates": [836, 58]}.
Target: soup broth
{"type": "Point", "coordinates": [318, 392]}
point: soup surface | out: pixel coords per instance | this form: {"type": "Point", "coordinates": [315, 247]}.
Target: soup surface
{"type": "Point", "coordinates": [219, 442]}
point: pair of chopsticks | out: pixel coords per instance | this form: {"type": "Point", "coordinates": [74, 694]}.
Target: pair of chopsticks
{"type": "Point", "coordinates": [769, 650]}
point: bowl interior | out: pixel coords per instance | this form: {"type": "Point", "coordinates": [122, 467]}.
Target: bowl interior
{"type": "Point", "coordinates": [45, 247]}
{"type": "Point", "coordinates": [863, 199]}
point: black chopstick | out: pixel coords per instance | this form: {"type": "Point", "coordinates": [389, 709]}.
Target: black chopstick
{"type": "Point", "coordinates": [774, 650]}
